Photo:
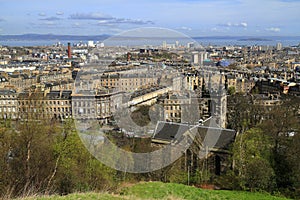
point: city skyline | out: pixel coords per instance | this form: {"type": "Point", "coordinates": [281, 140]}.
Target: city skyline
{"type": "Point", "coordinates": [192, 17]}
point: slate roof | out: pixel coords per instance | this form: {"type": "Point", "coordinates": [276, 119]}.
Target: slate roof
{"type": "Point", "coordinates": [226, 136]}
{"type": "Point", "coordinates": [7, 91]}
{"type": "Point", "coordinates": [59, 95]}
{"type": "Point", "coordinates": [215, 137]}
{"type": "Point", "coordinates": [168, 131]}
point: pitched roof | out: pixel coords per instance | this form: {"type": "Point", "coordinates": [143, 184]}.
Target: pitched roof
{"type": "Point", "coordinates": [209, 133]}
{"type": "Point", "coordinates": [169, 131]}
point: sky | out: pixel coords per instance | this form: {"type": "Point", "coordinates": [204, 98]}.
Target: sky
{"type": "Point", "coordinates": [191, 17]}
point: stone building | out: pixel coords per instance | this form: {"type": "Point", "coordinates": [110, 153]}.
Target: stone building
{"type": "Point", "coordinates": [128, 82]}
{"type": "Point", "coordinates": [8, 104]}
{"type": "Point", "coordinates": [87, 105]}
{"type": "Point", "coordinates": [199, 153]}
{"type": "Point", "coordinates": [48, 105]}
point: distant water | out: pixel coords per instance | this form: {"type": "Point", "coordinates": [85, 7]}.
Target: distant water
{"type": "Point", "coordinates": [228, 42]}
{"type": "Point", "coordinates": [27, 43]}
{"type": "Point", "coordinates": [155, 42]}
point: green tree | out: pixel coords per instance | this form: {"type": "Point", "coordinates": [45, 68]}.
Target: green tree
{"type": "Point", "coordinates": [251, 156]}
{"type": "Point", "coordinates": [281, 123]}
{"type": "Point", "coordinates": [231, 90]}
{"type": "Point", "coordinates": [27, 158]}
{"type": "Point", "coordinates": [259, 175]}
{"type": "Point", "coordinates": [77, 169]}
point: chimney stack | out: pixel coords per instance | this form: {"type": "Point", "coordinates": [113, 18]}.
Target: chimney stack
{"type": "Point", "coordinates": [69, 50]}
{"type": "Point", "coordinates": [128, 56]}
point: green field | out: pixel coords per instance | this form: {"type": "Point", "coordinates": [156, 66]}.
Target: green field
{"type": "Point", "coordinates": [171, 191]}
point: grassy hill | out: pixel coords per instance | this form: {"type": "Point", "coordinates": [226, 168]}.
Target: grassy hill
{"type": "Point", "coordinates": [170, 191]}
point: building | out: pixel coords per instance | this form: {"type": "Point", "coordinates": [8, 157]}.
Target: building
{"type": "Point", "coordinates": [192, 81]}
{"type": "Point", "coordinates": [278, 46]}
{"type": "Point", "coordinates": [241, 85]}
{"type": "Point", "coordinates": [58, 104]}
{"type": "Point", "coordinates": [195, 58]}
{"type": "Point", "coordinates": [3, 80]}
{"type": "Point", "coordinates": [266, 100]}
{"type": "Point", "coordinates": [47, 105]}
{"type": "Point", "coordinates": [128, 82]}
{"type": "Point", "coordinates": [8, 104]}
{"type": "Point", "coordinates": [101, 106]}
{"type": "Point", "coordinates": [21, 81]}
{"type": "Point", "coordinates": [197, 153]}
{"type": "Point", "coordinates": [184, 108]}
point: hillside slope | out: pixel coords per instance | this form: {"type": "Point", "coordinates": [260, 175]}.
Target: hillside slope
{"type": "Point", "coordinates": [171, 191]}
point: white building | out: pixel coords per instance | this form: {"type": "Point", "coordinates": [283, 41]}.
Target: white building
{"type": "Point", "coordinates": [91, 44]}
{"type": "Point", "coordinates": [278, 46]}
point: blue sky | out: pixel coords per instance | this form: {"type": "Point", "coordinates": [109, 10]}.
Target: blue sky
{"type": "Point", "coordinates": [192, 17]}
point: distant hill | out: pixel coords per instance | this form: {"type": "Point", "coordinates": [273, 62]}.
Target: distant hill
{"type": "Point", "coordinates": [255, 39]}
{"type": "Point", "coordinates": [53, 37]}
{"type": "Point", "coordinates": [158, 190]}
{"type": "Point", "coordinates": [29, 37]}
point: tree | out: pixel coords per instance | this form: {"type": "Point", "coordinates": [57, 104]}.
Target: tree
{"type": "Point", "coordinates": [292, 158]}
{"type": "Point", "coordinates": [281, 124]}
{"type": "Point", "coordinates": [259, 175]}
{"type": "Point", "coordinates": [231, 90]}
{"type": "Point", "coordinates": [26, 149]}
{"type": "Point", "coordinates": [77, 169]}
{"type": "Point", "coordinates": [239, 113]}
{"type": "Point", "coordinates": [251, 155]}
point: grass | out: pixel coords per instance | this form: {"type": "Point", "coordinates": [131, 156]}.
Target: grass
{"type": "Point", "coordinates": [158, 190]}
{"type": "Point", "coordinates": [165, 191]}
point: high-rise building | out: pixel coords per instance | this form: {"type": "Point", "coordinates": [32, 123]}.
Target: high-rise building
{"type": "Point", "coordinates": [195, 58]}
{"type": "Point", "coordinates": [190, 45]}
{"type": "Point", "coordinates": [91, 44]}
{"type": "Point", "coordinates": [278, 46]}
{"type": "Point", "coordinates": [164, 45]}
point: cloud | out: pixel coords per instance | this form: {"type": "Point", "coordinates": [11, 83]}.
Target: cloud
{"type": "Point", "coordinates": [2, 20]}
{"type": "Point", "coordinates": [76, 25]}
{"type": "Point", "coordinates": [49, 23]}
{"type": "Point", "coordinates": [59, 13]}
{"type": "Point", "coordinates": [90, 16]}
{"type": "Point", "coordinates": [51, 19]}
{"type": "Point", "coordinates": [238, 25]}
{"type": "Point", "coordinates": [244, 24]}
{"type": "Point", "coordinates": [129, 21]}
{"type": "Point", "coordinates": [43, 25]}
{"type": "Point", "coordinates": [108, 20]}
{"type": "Point", "coordinates": [218, 30]}
{"type": "Point", "coordinates": [184, 28]}
{"type": "Point", "coordinates": [273, 29]}
{"type": "Point", "coordinates": [105, 23]}
{"type": "Point", "coordinates": [42, 14]}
